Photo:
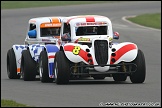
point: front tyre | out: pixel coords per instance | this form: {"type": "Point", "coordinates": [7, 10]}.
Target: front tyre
{"type": "Point", "coordinates": [119, 77]}
{"type": "Point", "coordinates": [43, 67]}
{"type": "Point", "coordinates": [99, 77]}
{"type": "Point", "coordinates": [61, 68]}
{"type": "Point", "coordinates": [28, 66]}
{"type": "Point", "coordinates": [11, 65]}
{"type": "Point", "coordinates": [139, 75]}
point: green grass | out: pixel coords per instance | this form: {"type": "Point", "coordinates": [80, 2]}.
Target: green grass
{"type": "Point", "coordinates": [149, 20]}
{"type": "Point", "coordinates": [11, 103]}
{"type": "Point", "coordinates": [28, 4]}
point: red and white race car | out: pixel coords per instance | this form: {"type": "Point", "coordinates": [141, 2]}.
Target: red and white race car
{"type": "Point", "coordinates": [87, 49]}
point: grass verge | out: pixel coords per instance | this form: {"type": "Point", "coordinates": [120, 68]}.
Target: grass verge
{"type": "Point", "coordinates": [28, 4]}
{"type": "Point", "coordinates": [148, 20]}
{"type": "Point", "coordinates": [11, 103]}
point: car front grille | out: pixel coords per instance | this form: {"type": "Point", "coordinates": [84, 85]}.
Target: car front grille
{"type": "Point", "coordinates": [101, 51]}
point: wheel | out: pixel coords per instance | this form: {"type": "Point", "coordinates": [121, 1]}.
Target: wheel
{"type": "Point", "coordinates": [98, 77]}
{"type": "Point", "coordinates": [139, 75]}
{"type": "Point", "coordinates": [43, 67]}
{"type": "Point", "coordinates": [11, 65]}
{"type": "Point", "coordinates": [119, 77]}
{"type": "Point", "coordinates": [28, 66]}
{"type": "Point", "coordinates": [61, 68]}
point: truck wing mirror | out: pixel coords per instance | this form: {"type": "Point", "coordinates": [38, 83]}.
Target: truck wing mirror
{"type": "Point", "coordinates": [32, 33]}
{"type": "Point", "coordinates": [115, 35]}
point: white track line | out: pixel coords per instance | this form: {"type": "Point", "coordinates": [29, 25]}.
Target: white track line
{"type": "Point", "coordinates": [124, 18]}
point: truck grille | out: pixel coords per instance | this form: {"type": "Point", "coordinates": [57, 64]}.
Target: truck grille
{"type": "Point", "coordinates": [101, 51]}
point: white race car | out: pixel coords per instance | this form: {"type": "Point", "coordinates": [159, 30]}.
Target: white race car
{"type": "Point", "coordinates": [89, 51]}
{"type": "Point", "coordinates": [43, 33]}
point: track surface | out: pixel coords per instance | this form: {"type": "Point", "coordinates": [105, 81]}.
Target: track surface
{"type": "Point", "coordinates": [87, 92]}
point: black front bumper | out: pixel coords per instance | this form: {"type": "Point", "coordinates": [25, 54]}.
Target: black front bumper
{"type": "Point", "coordinates": [114, 69]}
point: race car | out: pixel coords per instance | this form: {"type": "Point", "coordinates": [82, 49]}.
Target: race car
{"type": "Point", "coordinates": [43, 33]}
{"type": "Point", "coordinates": [88, 49]}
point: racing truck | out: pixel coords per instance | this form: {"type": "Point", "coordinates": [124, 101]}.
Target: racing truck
{"type": "Point", "coordinates": [43, 33]}
{"type": "Point", "coordinates": [88, 49]}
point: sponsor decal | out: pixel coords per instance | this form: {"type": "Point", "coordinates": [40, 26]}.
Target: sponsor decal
{"type": "Point", "coordinates": [91, 23]}
{"type": "Point", "coordinates": [84, 39]}
{"type": "Point", "coordinates": [44, 25]}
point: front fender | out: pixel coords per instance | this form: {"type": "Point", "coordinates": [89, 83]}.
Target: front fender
{"type": "Point", "coordinates": [18, 52]}
{"type": "Point", "coordinates": [35, 50]}
{"type": "Point", "coordinates": [125, 51]}
{"type": "Point", "coordinates": [77, 53]}
{"type": "Point", "coordinates": [51, 51]}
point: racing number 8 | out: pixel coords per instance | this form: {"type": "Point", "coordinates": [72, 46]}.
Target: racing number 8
{"type": "Point", "coordinates": [76, 50]}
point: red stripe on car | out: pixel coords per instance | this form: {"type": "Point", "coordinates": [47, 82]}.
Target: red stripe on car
{"type": "Point", "coordinates": [82, 53]}
{"type": "Point", "coordinates": [51, 57]}
{"type": "Point", "coordinates": [90, 19]}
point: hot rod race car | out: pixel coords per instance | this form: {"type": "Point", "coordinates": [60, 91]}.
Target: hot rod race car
{"type": "Point", "coordinates": [88, 50]}
{"type": "Point", "coordinates": [43, 33]}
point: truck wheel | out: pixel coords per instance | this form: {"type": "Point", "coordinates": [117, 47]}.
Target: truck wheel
{"type": "Point", "coordinates": [28, 66]}
{"type": "Point", "coordinates": [139, 75]}
{"type": "Point", "coordinates": [119, 77]}
{"type": "Point", "coordinates": [61, 68]}
{"type": "Point", "coordinates": [11, 65]}
{"type": "Point", "coordinates": [43, 68]}
{"type": "Point", "coordinates": [98, 77]}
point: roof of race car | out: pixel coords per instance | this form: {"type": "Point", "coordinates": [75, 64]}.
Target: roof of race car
{"type": "Point", "coordinates": [86, 18]}
{"type": "Point", "coordinates": [50, 19]}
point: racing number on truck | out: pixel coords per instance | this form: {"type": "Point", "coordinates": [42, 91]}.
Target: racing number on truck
{"type": "Point", "coordinates": [76, 50]}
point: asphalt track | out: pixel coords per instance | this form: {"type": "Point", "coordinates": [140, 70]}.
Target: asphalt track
{"type": "Point", "coordinates": [86, 92]}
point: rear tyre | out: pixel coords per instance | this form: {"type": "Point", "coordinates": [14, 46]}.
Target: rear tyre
{"type": "Point", "coordinates": [139, 75]}
{"type": "Point", "coordinates": [61, 68]}
{"type": "Point", "coordinates": [43, 67]}
{"type": "Point", "coordinates": [28, 66]}
{"type": "Point", "coordinates": [11, 65]}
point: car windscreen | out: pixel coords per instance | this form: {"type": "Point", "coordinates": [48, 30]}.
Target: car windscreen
{"type": "Point", "coordinates": [51, 31]}
{"type": "Point", "coordinates": [91, 30]}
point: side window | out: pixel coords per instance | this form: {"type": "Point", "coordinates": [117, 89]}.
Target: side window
{"type": "Point", "coordinates": [32, 27]}
{"type": "Point", "coordinates": [32, 33]}
{"type": "Point", "coordinates": [66, 28]}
